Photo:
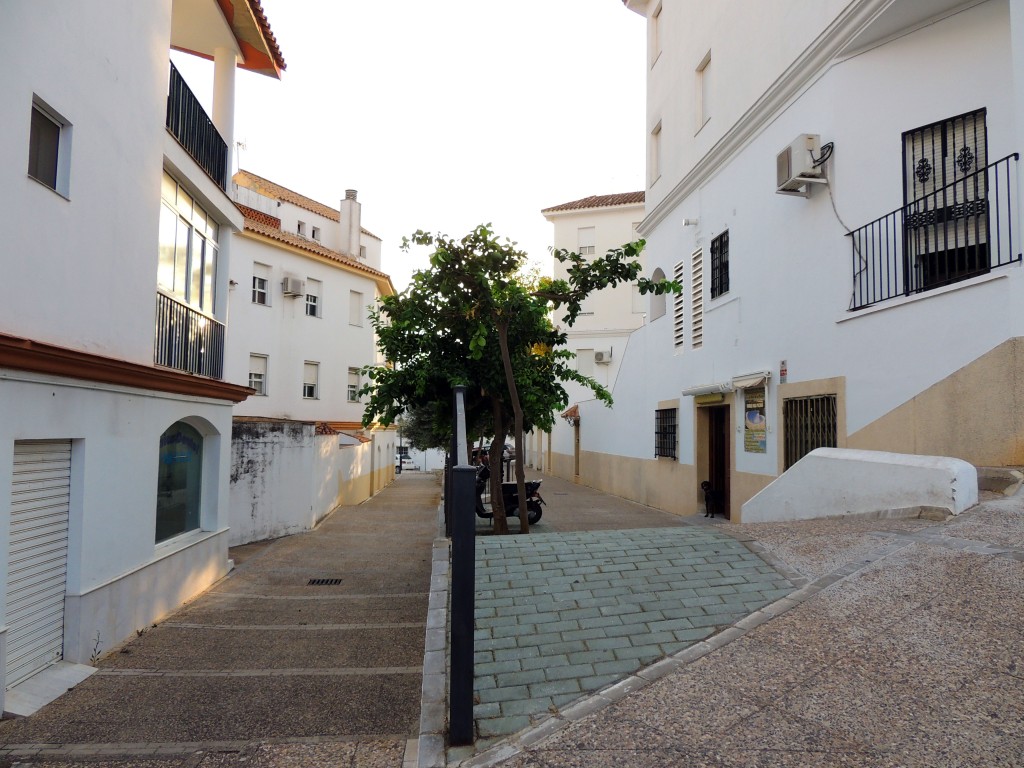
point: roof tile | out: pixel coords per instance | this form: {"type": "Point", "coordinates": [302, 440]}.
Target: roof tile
{"type": "Point", "coordinates": [598, 201]}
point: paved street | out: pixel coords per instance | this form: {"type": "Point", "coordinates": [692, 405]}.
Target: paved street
{"type": "Point", "coordinates": [267, 669]}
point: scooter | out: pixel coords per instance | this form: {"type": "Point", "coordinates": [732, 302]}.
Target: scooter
{"type": "Point", "coordinates": [509, 495]}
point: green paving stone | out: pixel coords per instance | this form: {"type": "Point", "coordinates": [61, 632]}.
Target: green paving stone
{"type": "Point", "coordinates": [645, 651]}
{"type": "Point", "coordinates": [584, 634]}
{"type": "Point", "coordinates": [482, 657]}
{"type": "Point", "coordinates": [497, 667]}
{"type": "Point", "coordinates": [535, 706]}
{"type": "Point", "coordinates": [619, 667]}
{"type": "Point", "coordinates": [501, 726]}
{"type": "Point", "coordinates": [488, 695]}
{"type": "Point", "coordinates": [710, 621]}
{"type": "Point", "coordinates": [545, 661]}
{"type": "Point", "coordinates": [569, 671]}
{"type": "Point", "coordinates": [495, 621]}
{"type": "Point", "coordinates": [672, 625]}
{"type": "Point", "coordinates": [554, 687]}
{"type": "Point", "coordinates": [609, 643]}
{"type": "Point", "coordinates": [524, 652]}
{"type": "Point", "coordinates": [566, 646]}
{"type": "Point", "coordinates": [538, 640]}
{"type": "Point", "coordinates": [525, 677]}
{"type": "Point", "coordinates": [598, 682]}
{"type": "Point", "coordinates": [591, 657]}
{"type": "Point", "coordinates": [482, 683]}
{"type": "Point", "coordinates": [691, 636]}
{"type": "Point", "coordinates": [491, 709]}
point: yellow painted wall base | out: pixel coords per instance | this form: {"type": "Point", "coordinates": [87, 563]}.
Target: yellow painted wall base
{"type": "Point", "coordinates": [976, 414]}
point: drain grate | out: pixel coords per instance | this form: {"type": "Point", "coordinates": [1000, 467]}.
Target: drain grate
{"type": "Point", "coordinates": [323, 582]}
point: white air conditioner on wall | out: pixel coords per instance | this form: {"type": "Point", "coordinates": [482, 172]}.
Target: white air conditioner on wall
{"type": "Point", "coordinates": [795, 168]}
{"type": "Point", "coordinates": [293, 287]}
{"type": "Point", "coordinates": [603, 356]}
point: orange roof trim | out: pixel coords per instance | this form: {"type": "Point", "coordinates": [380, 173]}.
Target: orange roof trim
{"type": "Point", "coordinates": [260, 51]}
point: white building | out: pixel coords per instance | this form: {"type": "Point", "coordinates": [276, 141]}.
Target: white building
{"type": "Point", "coordinates": [592, 226]}
{"type": "Point", "coordinates": [303, 276]}
{"type": "Point", "coordinates": [858, 288]}
{"type": "Point", "coordinates": [115, 415]}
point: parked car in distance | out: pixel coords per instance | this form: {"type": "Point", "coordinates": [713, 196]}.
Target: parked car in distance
{"type": "Point", "coordinates": [398, 464]}
{"type": "Point", "coordinates": [409, 464]}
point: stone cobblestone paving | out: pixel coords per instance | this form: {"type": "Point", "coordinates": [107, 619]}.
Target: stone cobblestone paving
{"type": "Point", "coordinates": [562, 615]}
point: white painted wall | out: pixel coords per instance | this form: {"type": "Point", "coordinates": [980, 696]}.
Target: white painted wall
{"type": "Point", "coordinates": [289, 337]}
{"type": "Point", "coordinates": [837, 482]}
{"type": "Point", "coordinates": [790, 262]}
{"type": "Point", "coordinates": [115, 433]}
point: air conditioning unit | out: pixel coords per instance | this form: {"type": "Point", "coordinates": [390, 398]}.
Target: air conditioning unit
{"type": "Point", "coordinates": [293, 287]}
{"type": "Point", "coordinates": [795, 169]}
{"type": "Point", "coordinates": [603, 356]}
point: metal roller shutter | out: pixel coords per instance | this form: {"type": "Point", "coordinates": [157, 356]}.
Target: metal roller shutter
{"type": "Point", "coordinates": [37, 564]}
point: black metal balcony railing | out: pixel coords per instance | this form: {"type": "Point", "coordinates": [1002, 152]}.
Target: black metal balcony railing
{"type": "Point", "coordinates": [960, 231]}
{"type": "Point", "coordinates": [194, 130]}
{"type": "Point", "coordinates": [187, 339]}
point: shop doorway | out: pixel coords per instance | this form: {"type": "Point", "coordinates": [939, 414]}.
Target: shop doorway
{"type": "Point", "coordinates": [718, 456]}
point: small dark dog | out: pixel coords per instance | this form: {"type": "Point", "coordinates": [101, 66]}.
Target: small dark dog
{"type": "Point", "coordinates": [710, 499]}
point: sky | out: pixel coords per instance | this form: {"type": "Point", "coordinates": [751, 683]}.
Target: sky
{"type": "Point", "coordinates": [445, 115]}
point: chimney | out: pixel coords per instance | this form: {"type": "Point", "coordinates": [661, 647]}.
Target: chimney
{"type": "Point", "coordinates": [351, 226]}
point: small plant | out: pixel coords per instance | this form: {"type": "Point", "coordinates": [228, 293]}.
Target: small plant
{"type": "Point", "coordinates": [95, 650]}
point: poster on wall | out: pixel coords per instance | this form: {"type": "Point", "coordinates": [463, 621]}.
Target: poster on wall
{"type": "Point", "coordinates": [754, 424]}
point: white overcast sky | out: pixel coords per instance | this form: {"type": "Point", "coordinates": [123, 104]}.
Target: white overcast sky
{"type": "Point", "coordinates": [444, 115]}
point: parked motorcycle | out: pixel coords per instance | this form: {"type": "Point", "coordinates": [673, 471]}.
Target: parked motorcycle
{"type": "Point", "coordinates": [509, 495]}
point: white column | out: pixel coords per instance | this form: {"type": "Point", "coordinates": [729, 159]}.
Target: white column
{"type": "Point", "coordinates": [224, 99]}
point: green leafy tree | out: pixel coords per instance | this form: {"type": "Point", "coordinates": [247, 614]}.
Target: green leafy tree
{"type": "Point", "coordinates": [474, 318]}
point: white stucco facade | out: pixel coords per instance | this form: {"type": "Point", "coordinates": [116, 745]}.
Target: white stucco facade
{"type": "Point", "coordinates": [933, 371]}
{"type": "Point", "coordinates": [79, 330]}
{"type": "Point", "coordinates": [303, 278]}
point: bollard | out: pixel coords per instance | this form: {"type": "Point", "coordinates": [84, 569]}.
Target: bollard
{"type": "Point", "coordinates": [463, 585]}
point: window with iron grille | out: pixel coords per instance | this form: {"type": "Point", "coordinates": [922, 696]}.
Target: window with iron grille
{"type": "Point", "coordinates": [720, 265]}
{"type": "Point", "coordinates": [665, 426]}
{"type": "Point", "coordinates": [808, 423]}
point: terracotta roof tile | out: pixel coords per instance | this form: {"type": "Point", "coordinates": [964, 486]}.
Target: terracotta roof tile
{"type": "Point", "coordinates": [270, 189]}
{"type": "Point", "coordinates": [268, 35]}
{"type": "Point", "coordinates": [260, 216]}
{"type": "Point", "coordinates": [312, 246]}
{"type": "Point", "coordinates": [598, 201]}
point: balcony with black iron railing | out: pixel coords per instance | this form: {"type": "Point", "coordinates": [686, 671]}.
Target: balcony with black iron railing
{"type": "Point", "coordinates": [962, 230]}
{"type": "Point", "coordinates": [192, 127]}
{"type": "Point", "coordinates": [188, 340]}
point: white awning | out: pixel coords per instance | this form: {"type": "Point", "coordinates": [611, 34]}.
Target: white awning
{"type": "Point", "coordinates": [707, 389]}
{"type": "Point", "coordinates": [748, 380]}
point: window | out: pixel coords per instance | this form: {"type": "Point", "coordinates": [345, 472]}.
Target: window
{"type": "Point", "coordinates": [586, 240]}
{"type": "Point", "coordinates": [654, 156]}
{"type": "Point", "coordinates": [301, 228]}
{"type": "Point", "coordinates": [49, 148]}
{"type": "Point", "coordinates": [703, 91]}
{"type": "Point", "coordinates": [654, 35]}
{"type": "Point", "coordinates": [697, 299]}
{"type": "Point", "coordinates": [679, 310]}
{"type": "Point", "coordinates": [665, 421]}
{"type": "Point", "coordinates": [585, 362]}
{"type": "Point", "coordinates": [179, 481]}
{"type": "Point", "coordinates": [362, 252]}
{"type": "Point", "coordinates": [808, 423]}
{"type": "Point", "coordinates": [312, 298]}
{"type": "Point", "coordinates": [355, 308]}
{"type": "Point", "coordinates": [260, 284]}
{"type": "Point", "coordinates": [353, 385]}
{"type": "Point", "coordinates": [658, 302]}
{"type": "Point", "coordinates": [945, 191]}
{"type": "Point", "coordinates": [316, 233]}
{"type": "Point", "coordinates": [188, 248]}
{"type": "Point", "coordinates": [258, 373]}
{"type": "Point", "coordinates": [720, 265]}
{"type": "Point", "coordinates": [310, 376]}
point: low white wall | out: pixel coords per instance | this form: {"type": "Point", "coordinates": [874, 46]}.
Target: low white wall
{"type": "Point", "coordinates": [833, 482]}
{"type": "Point", "coordinates": [100, 619]}
{"type": "Point", "coordinates": [271, 475]}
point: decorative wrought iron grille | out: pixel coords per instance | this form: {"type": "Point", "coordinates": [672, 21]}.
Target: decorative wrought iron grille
{"type": "Point", "coordinates": [808, 423]}
{"type": "Point", "coordinates": [955, 232]}
{"type": "Point", "coordinates": [720, 265]}
{"type": "Point", "coordinates": [665, 428]}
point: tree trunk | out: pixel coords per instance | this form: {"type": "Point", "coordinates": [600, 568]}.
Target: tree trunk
{"type": "Point", "coordinates": [517, 410]}
{"type": "Point", "coordinates": [494, 460]}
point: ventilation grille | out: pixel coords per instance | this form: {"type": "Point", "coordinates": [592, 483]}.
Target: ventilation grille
{"type": "Point", "coordinates": [679, 309]}
{"type": "Point", "coordinates": [697, 299]}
